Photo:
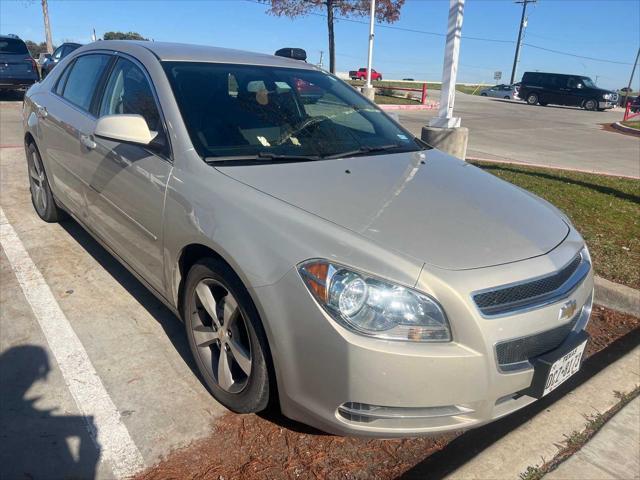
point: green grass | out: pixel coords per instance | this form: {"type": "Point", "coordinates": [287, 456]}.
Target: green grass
{"type": "Point", "coordinates": [632, 123]}
{"type": "Point", "coordinates": [470, 89]}
{"type": "Point", "coordinates": [388, 100]}
{"type": "Point", "coordinates": [604, 209]}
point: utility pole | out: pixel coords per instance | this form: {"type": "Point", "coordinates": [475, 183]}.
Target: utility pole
{"type": "Point", "coordinates": [633, 71]}
{"type": "Point", "coordinates": [321, 56]}
{"type": "Point", "coordinates": [47, 26]}
{"type": "Point", "coordinates": [523, 25]}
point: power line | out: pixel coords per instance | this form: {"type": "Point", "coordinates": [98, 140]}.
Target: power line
{"type": "Point", "coordinates": [464, 37]}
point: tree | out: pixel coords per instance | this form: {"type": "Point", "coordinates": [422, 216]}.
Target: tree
{"type": "Point", "coordinates": [386, 11]}
{"type": "Point", "coordinates": [36, 49]}
{"type": "Point", "coordinates": [123, 36]}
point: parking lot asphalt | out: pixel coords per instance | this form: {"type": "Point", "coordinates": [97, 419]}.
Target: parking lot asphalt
{"type": "Point", "coordinates": [563, 137]}
{"type": "Point", "coordinates": [134, 345]}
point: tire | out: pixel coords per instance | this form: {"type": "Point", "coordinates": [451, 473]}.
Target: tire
{"type": "Point", "coordinates": [591, 104]}
{"type": "Point", "coordinates": [41, 196]}
{"type": "Point", "coordinates": [483, 94]}
{"type": "Point", "coordinates": [231, 351]}
{"type": "Point", "coordinates": [533, 99]}
{"type": "Point", "coordinates": [507, 97]}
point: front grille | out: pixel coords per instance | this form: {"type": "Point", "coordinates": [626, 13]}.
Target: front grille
{"type": "Point", "coordinates": [505, 299]}
{"type": "Point", "coordinates": [522, 349]}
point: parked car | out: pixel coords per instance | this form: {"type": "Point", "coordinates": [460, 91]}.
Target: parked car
{"type": "Point", "coordinates": [499, 91]}
{"type": "Point", "coordinates": [560, 89]}
{"type": "Point", "coordinates": [635, 105]}
{"type": "Point", "coordinates": [361, 74]}
{"type": "Point", "coordinates": [293, 241]}
{"type": "Point", "coordinates": [18, 69]}
{"type": "Point", "coordinates": [58, 54]}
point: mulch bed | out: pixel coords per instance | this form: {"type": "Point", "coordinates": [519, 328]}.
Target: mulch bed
{"type": "Point", "coordinates": [256, 447]}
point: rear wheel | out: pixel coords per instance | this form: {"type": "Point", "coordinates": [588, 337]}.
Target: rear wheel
{"type": "Point", "coordinates": [226, 337]}
{"type": "Point", "coordinates": [591, 104]}
{"type": "Point", "coordinates": [507, 97]}
{"type": "Point", "coordinates": [483, 94]}
{"type": "Point", "coordinates": [532, 99]}
{"type": "Point", "coordinates": [41, 195]}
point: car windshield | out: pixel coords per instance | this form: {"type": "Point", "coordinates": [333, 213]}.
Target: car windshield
{"type": "Point", "coordinates": [587, 82]}
{"type": "Point", "coordinates": [275, 113]}
{"type": "Point", "coordinates": [13, 45]}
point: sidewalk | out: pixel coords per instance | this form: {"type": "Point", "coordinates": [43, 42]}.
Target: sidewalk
{"type": "Point", "coordinates": [613, 453]}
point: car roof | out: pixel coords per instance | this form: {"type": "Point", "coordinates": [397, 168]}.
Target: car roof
{"type": "Point", "coordinates": [182, 52]}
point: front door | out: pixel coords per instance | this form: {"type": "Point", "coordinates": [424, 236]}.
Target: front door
{"type": "Point", "coordinates": [128, 181]}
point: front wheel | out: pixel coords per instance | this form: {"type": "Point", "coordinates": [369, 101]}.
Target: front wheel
{"type": "Point", "coordinates": [226, 337]}
{"type": "Point", "coordinates": [41, 195]}
{"type": "Point", "coordinates": [483, 94]}
{"type": "Point", "coordinates": [591, 104]}
{"type": "Point", "coordinates": [507, 97]}
{"type": "Point", "coordinates": [532, 99]}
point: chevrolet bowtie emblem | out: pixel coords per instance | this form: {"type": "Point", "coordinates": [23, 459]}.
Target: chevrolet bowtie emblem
{"type": "Point", "coordinates": [568, 310]}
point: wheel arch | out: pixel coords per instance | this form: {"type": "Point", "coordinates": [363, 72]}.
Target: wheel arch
{"type": "Point", "coordinates": [189, 255]}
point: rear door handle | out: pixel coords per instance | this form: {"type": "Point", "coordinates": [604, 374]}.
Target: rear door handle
{"type": "Point", "coordinates": [88, 142]}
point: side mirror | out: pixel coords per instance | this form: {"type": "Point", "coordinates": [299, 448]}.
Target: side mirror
{"type": "Point", "coordinates": [124, 128]}
{"type": "Point", "coordinates": [579, 85]}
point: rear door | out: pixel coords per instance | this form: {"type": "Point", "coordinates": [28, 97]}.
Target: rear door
{"type": "Point", "coordinates": [127, 181]}
{"type": "Point", "coordinates": [66, 122]}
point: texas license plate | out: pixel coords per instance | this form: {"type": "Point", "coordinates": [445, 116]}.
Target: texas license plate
{"type": "Point", "coordinates": [564, 368]}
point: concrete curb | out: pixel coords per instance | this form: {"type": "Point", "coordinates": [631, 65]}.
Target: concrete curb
{"type": "Point", "coordinates": [541, 165]}
{"type": "Point", "coordinates": [625, 129]}
{"type": "Point", "coordinates": [539, 439]}
{"type": "Point", "coordinates": [617, 297]}
{"type": "Point", "coordinates": [429, 106]}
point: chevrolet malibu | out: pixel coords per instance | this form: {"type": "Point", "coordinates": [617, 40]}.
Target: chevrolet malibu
{"type": "Point", "coordinates": [322, 258]}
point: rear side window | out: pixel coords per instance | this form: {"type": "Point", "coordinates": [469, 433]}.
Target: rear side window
{"type": "Point", "coordinates": [128, 92]}
{"type": "Point", "coordinates": [13, 45]}
{"type": "Point", "coordinates": [83, 78]}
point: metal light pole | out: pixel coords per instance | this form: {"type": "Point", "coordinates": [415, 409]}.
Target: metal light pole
{"type": "Point", "coordinates": [523, 25]}
{"type": "Point", "coordinates": [372, 17]}
{"type": "Point", "coordinates": [47, 26]}
{"type": "Point", "coordinates": [633, 71]}
{"type": "Point", "coordinates": [450, 69]}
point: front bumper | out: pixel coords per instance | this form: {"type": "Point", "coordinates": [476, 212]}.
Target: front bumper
{"type": "Point", "coordinates": [348, 384]}
{"type": "Point", "coordinates": [606, 104]}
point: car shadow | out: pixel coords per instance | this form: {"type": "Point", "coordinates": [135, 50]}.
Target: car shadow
{"type": "Point", "coordinates": [474, 442]}
{"type": "Point", "coordinates": [598, 188]}
{"type": "Point", "coordinates": [11, 95]}
{"type": "Point", "coordinates": [36, 442]}
{"type": "Point", "coordinates": [171, 325]}
{"type": "Point", "coordinates": [562, 107]}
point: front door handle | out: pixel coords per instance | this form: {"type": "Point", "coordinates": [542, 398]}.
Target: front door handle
{"type": "Point", "coordinates": [88, 142]}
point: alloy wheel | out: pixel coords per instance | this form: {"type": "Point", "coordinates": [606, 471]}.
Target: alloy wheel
{"type": "Point", "coordinates": [37, 180]}
{"type": "Point", "coordinates": [221, 336]}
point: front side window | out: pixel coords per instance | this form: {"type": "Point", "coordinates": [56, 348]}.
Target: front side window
{"type": "Point", "coordinates": [58, 53]}
{"type": "Point", "coordinates": [246, 110]}
{"type": "Point", "coordinates": [83, 78]}
{"type": "Point", "coordinates": [128, 92]}
{"type": "Point", "coordinates": [587, 82]}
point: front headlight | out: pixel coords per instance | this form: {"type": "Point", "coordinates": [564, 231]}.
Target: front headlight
{"type": "Point", "coordinates": [607, 96]}
{"type": "Point", "coordinates": [371, 306]}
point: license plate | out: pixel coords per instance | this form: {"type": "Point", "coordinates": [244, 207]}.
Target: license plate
{"type": "Point", "coordinates": [564, 368]}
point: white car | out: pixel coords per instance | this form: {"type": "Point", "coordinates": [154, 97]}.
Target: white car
{"type": "Point", "coordinates": [499, 91]}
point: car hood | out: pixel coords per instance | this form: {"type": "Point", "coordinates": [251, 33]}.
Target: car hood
{"type": "Point", "coordinates": [428, 205]}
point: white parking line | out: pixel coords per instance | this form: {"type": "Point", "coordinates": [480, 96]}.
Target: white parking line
{"type": "Point", "coordinates": [81, 378]}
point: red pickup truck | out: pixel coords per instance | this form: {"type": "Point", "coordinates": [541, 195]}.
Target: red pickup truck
{"type": "Point", "coordinates": [361, 74]}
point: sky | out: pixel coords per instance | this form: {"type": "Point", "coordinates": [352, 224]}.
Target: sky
{"type": "Point", "coordinates": [413, 47]}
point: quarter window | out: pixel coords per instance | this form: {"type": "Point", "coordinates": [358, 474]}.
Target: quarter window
{"type": "Point", "coordinates": [83, 79]}
{"type": "Point", "coordinates": [128, 92]}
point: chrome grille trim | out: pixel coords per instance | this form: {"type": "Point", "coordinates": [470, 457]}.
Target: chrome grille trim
{"type": "Point", "coordinates": [533, 293]}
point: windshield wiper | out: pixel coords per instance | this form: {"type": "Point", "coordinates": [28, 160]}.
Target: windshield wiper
{"type": "Point", "coordinates": [260, 158]}
{"type": "Point", "coordinates": [363, 150]}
